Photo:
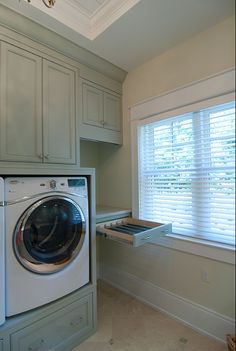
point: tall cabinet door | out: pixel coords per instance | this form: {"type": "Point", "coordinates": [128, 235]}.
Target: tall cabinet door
{"type": "Point", "coordinates": [112, 112]}
{"type": "Point", "coordinates": [59, 112]}
{"type": "Point", "coordinates": [21, 105]}
{"type": "Point", "coordinates": [92, 105]}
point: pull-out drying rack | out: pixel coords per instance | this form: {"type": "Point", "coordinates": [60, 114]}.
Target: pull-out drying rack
{"type": "Point", "coordinates": [133, 231]}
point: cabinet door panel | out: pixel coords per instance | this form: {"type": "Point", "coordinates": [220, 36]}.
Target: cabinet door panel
{"type": "Point", "coordinates": [58, 113]}
{"type": "Point", "coordinates": [112, 112]}
{"type": "Point", "coordinates": [21, 101]}
{"type": "Point", "coordinates": [58, 330]}
{"type": "Point", "coordinates": [92, 105]}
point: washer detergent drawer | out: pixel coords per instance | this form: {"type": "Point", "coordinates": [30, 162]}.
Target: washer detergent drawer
{"type": "Point", "coordinates": [57, 330]}
{"type": "Point", "coordinates": [133, 231]}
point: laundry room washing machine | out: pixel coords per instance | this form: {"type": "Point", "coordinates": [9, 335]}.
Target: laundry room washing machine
{"type": "Point", "coordinates": [47, 240]}
{"type": "Point", "coordinates": [2, 254]}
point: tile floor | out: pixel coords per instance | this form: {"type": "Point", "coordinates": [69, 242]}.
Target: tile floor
{"type": "Point", "coordinates": [126, 324]}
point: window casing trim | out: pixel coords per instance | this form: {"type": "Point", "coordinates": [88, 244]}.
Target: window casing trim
{"type": "Point", "coordinates": [212, 91]}
{"type": "Point", "coordinates": [199, 91]}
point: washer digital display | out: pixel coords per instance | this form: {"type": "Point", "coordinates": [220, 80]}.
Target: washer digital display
{"type": "Point", "coordinates": [76, 182]}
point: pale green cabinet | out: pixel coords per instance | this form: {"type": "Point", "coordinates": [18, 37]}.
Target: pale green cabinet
{"type": "Point", "coordinates": [21, 105]}
{"type": "Point", "coordinates": [58, 113]}
{"type": "Point", "coordinates": [38, 108]}
{"type": "Point", "coordinates": [101, 114]}
{"type": "Point", "coordinates": [92, 106]}
{"type": "Point", "coordinates": [58, 330]}
{"type": "Point", "coordinates": [112, 112]}
{"type": "Point", "coordinates": [59, 326]}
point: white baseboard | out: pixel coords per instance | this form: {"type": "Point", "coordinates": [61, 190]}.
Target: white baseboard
{"type": "Point", "coordinates": [196, 316]}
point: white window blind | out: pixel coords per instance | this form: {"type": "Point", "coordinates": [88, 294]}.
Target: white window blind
{"type": "Point", "coordinates": [187, 173]}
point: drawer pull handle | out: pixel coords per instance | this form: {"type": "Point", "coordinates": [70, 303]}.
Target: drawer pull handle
{"type": "Point", "coordinates": [36, 346]}
{"type": "Point", "coordinates": [76, 322]}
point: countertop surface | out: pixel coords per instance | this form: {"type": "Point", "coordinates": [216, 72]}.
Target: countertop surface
{"type": "Point", "coordinates": [105, 213]}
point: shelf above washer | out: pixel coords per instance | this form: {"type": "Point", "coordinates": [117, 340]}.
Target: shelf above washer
{"type": "Point", "coordinates": [108, 213]}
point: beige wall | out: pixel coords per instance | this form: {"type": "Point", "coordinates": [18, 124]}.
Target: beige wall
{"type": "Point", "coordinates": [175, 271]}
{"type": "Point", "coordinates": [89, 157]}
{"type": "Point", "coordinates": [206, 54]}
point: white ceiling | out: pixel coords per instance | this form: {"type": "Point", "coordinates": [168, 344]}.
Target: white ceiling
{"type": "Point", "coordinates": [86, 17]}
{"type": "Point", "coordinates": [127, 32]}
{"type": "Point", "coordinates": [89, 7]}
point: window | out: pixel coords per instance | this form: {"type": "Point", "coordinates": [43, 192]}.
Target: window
{"type": "Point", "coordinates": [186, 173]}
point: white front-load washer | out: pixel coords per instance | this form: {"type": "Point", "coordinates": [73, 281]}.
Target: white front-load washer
{"type": "Point", "coordinates": [47, 239]}
{"type": "Point", "coordinates": [2, 254]}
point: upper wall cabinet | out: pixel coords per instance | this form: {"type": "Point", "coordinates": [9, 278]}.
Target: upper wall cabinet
{"type": "Point", "coordinates": [21, 105]}
{"type": "Point", "coordinates": [101, 114]}
{"type": "Point", "coordinates": [112, 112]}
{"type": "Point", "coordinates": [58, 113]}
{"type": "Point", "coordinates": [38, 108]}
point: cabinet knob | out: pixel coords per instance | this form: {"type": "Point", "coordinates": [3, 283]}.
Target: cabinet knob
{"type": "Point", "coordinates": [47, 156]}
{"type": "Point", "coordinates": [76, 322]}
{"type": "Point", "coordinates": [37, 345]}
{"type": "Point", "coordinates": [40, 156]}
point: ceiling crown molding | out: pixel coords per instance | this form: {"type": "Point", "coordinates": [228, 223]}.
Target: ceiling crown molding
{"type": "Point", "coordinates": [87, 23]}
{"type": "Point", "coordinates": [108, 14]}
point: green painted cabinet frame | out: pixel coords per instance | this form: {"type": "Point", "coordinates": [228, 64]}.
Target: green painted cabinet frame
{"type": "Point", "coordinates": [59, 330]}
{"type": "Point", "coordinates": [38, 109]}
{"type": "Point", "coordinates": [75, 315]}
{"type": "Point", "coordinates": [101, 114]}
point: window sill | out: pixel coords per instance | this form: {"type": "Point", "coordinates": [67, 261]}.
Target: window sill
{"type": "Point", "coordinates": [218, 252]}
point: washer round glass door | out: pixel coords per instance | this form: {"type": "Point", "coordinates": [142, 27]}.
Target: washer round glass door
{"type": "Point", "coordinates": [49, 234]}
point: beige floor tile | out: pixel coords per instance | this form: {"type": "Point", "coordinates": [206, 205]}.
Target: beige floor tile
{"type": "Point", "coordinates": [93, 346]}
{"type": "Point", "coordinates": [104, 330]}
{"type": "Point", "coordinates": [126, 324]}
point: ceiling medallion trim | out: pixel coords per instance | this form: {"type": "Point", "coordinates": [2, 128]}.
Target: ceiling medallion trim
{"type": "Point", "coordinates": [47, 3]}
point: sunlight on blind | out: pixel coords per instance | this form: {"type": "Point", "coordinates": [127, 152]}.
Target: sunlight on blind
{"type": "Point", "coordinates": [187, 173]}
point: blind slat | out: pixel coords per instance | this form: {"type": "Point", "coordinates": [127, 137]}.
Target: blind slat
{"type": "Point", "coordinates": [187, 173]}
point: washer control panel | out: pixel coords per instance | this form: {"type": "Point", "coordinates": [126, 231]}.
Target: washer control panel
{"type": "Point", "coordinates": [26, 187]}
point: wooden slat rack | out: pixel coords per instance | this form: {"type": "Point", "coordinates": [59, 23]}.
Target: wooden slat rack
{"type": "Point", "coordinates": [133, 231]}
